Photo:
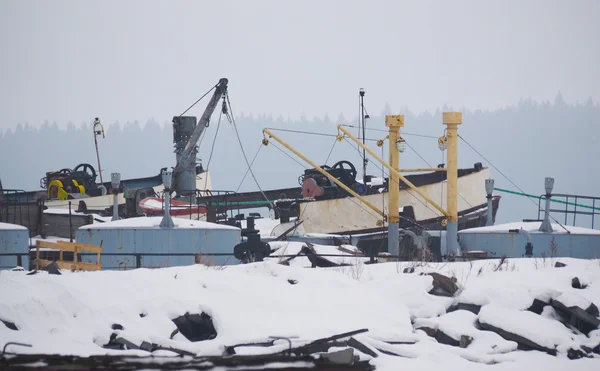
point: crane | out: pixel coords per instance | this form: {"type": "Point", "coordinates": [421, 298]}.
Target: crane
{"type": "Point", "coordinates": [184, 173]}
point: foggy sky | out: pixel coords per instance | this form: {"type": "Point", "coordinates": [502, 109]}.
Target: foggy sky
{"type": "Point", "coordinates": [135, 60]}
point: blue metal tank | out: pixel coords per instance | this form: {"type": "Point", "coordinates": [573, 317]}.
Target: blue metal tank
{"type": "Point", "coordinates": [141, 242]}
{"type": "Point", "coordinates": [14, 246]}
{"type": "Point", "coordinates": [510, 240]}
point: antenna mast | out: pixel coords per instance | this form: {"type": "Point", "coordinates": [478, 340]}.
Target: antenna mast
{"type": "Point", "coordinates": [362, 124]}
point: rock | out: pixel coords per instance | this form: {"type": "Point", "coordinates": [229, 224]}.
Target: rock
{"type": "Point", "coordinates": [576, 354]}
{"type": "Point", "coordinates": [577, 317]}
{"type": "Point", "coordinates": [10, 325]}
{"type": "Point", "coordinates": [537, 306]}
{"type": "Point", "coordinates": [142, 315]}
{"type": "Point", "coordinates": [52, 268]}
{"type": "Point", "coordinates": [593, 310]}
{"type": "Point", "coordinates": [465, 340]}
{"type": "Point", "coordinates": [292, 282]}
{"type": "Point", "coordinates": [559, 265]}
{"type": "Point", "coordinates": [473, 308]}
{"type": "Point", "coordinates": [442, 285]}
{"type": "Point", "coordinates": [116, 326]}
{"type": "Point", "coordinates": [196, 327]}
{"type": "Point", "coordinates": [523, 343]}
{"type": "Point", "coordinates": [576, 284]}
{"type": "Point", "coordinates": [443, 338]}
{"type": "Point", "coordinates": [409, 270]}
{"type": "Point", "coordinates": [428, 330]}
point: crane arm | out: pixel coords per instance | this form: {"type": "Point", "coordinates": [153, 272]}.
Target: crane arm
{"type": "Point", "coordinates": [220, 90]}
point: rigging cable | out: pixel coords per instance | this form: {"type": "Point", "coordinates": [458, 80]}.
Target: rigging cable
{"type": "Point", "coordinates": [403, 133]}
{"type": "Point", "coordinates": [507, 178]}
{"type": "Point", "coordinates": [398, 183]}
{"type": "Point", "coordinates": [212, 148]}
{"type": "Point", "coordinates": [232, 120]}
{"type": "Point", "coordinates": [313, 133]}
{"type": "Point", "coordinates": [288, 155]}
{"type": "Point", "coordinates": [199, 99]}
{"type": "Point", "coordinates": [331, 151]}
{"type": "Point", "coordinates": [252, 163]}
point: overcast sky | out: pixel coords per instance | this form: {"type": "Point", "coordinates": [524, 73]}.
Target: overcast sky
{"type": "Point", "coordinates": [135, 60]}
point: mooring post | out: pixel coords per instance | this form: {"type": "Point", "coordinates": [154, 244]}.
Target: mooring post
{"type": "Point", "coordinates": [452, 120]}
{"type": "Point", "coordinates": [394, 122]}
{"type": "Point", "coordinates": [489, 190]}
{"type": "Point", "coordinates": [115, 180]}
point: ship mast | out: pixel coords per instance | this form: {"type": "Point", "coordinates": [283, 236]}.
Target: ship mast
{"type": "Point", "coordinates": [363, 115]}
{"type": "Point", "coordinates": [98, 130]}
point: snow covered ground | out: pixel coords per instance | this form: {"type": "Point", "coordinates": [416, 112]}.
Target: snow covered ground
{"type": "Point", "coordinates": [76, 313]}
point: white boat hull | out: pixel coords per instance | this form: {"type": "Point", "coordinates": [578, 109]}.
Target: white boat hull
{"type": "Point", "coordinates": [203, 181]}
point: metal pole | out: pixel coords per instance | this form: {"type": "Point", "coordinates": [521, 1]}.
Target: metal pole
{"type": "Point", "coordinates": [319, 169]}
{"type": "Point", "coordinates": [489, 189]}
{"type": "Point", "coordinates": [546, 226]}
{"type": "Point", "coordinates": [167, 221]}
{"type": "Point", "coordinates": [70, 224]}
{"type": "Point", "coordinates": [115, 182]}
{"type": "Point", "coordinates": [96, 133]}
{"type": "Point", "coordinates": [392, 170]}
{"type": "Point", "coordinates": [362, 117]}
{"type": "Point", "coordinates": [394, 122]}
{"type": "Point", "coordinates": [452, 120]}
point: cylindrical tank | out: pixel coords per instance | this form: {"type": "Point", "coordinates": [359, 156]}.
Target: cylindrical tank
{"type": "Point", "coordinates": [505, 240]}
{"type": "Point", "coordinates": [141, 242]}
{"type": "Point", "coordinates": [14, 246]}
{"type": "Point", "coordinates": [185, 179]}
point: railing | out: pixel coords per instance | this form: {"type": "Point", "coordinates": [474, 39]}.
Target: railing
{"type": "Point", "coordinates": [573, 206]}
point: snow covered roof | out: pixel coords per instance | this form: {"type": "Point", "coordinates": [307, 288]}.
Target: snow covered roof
{"type": "Point", "coordinates": [11, 227]}
{"type": "Point", "coordinates": [154, 223]}
{"type": "Point", "coordinates": [531, 227]}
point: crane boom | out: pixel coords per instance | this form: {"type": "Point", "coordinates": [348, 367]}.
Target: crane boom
{"type": "Point", "coordinates": [185, 158]}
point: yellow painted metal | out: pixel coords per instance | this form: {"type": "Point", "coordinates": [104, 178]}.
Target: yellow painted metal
{"type": "Point", "coordinates": [61, 193]}
{"type": "Point", "coordinates": [422, 170]}
{"type": "Point", "coordinates": [74, 247]}
{"type": "Point", "coordinates": [392, 170]}
{"type": "Point", "coordinates": [79, 186]}
{"type": "Point", "coordinates": [318, 168]}
{"type": "Point", "coordinates": [452, 120]}
{"type": "Point", "coordinates": [394, 122]}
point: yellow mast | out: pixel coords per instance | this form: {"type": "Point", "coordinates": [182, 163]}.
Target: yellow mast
{"type": "Point", "coordinates": [394, 122]}
{"type": "Point", "coordinates": [452, 120]}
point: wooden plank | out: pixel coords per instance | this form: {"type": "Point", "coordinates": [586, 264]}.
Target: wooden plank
{"type": "Point", "coordinates": [69, 265]}
{"type": "Point", "coordinates": [69, 246]}
{"type": "Point", "coordinates": [55, 245]}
